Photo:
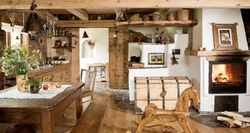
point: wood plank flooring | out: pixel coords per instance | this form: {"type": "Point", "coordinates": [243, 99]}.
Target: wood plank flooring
{"type": "Point", "coordinates": [117, 120]}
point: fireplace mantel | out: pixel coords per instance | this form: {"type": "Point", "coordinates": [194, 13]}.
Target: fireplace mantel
{"type": "Point", "coordinates": [218, 53]}
{"type": "Point", "coordinates": [243, 55]}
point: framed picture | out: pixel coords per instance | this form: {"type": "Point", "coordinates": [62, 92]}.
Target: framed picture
{"type": "Point", "coordinates": [225, 36]}
{"type": "Point", "coordinates": [156, 58]}
{"type": "Point", "coordinates": [101, 69]}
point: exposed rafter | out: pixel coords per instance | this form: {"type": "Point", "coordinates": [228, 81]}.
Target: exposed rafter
{"type": "Point", "coordinates": [58, 4]}
{"type": "Point", "coordinates": [79, 13]}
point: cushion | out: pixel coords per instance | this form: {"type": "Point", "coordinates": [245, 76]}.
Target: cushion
{"type": "Point", "coordinates": [85, 90]}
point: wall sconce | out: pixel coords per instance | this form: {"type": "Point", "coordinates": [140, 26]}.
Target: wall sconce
{"type": "Point", "coordinates": [85, 35]}
{"type": "Point", "coordinates": [91, 44]}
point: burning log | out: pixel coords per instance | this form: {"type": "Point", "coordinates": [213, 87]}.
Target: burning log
{"type": "Point", "coordinates": [232, 119]}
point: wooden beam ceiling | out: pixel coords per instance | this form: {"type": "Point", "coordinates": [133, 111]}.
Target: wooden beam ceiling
{"type": "Point", "coordinates": [58, 4]}
{"type": "Point", "coordinates": [79, 13]}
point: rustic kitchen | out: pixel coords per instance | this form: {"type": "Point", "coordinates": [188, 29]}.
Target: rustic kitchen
{"type": "Point", "coordinates": [152, 52]}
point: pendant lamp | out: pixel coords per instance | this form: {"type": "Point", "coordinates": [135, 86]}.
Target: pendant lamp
{"type": "Point", "coordinates": [33, 25]}
{"type": "Point", "coordinates": [85, 35]}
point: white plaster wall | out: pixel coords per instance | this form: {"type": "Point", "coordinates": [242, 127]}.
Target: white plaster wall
{"type": "Point", "coordinates": [206, 17]}
{"type": "Point", "coordinates": [14, 33]}
{"type": "Point", "coordinates": [152, 48]}
{"type": "Point", "coordinates": [181, 69]}
{"type": "Point", "coordinates": [134, 50]}
{"type": "Point", "coordinates": [100, 37]}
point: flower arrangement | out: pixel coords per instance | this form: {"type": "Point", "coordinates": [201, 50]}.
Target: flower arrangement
{"type": "Point", "coordinates": [19, 60]}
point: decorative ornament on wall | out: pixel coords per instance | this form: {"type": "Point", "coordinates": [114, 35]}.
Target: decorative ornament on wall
{"type": "Point", "coordinates": [40, 40]}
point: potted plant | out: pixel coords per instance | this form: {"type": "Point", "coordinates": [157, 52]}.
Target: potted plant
{"type": "Point", "coordinates": [19, 60]}
{"type": "Point", "coordinates": [34, 83]}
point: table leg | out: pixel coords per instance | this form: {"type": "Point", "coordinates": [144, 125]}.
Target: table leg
{"type": "Point", "coordinates": [79, 104]}
{"type": "Point", "coordinates": [46, 122]}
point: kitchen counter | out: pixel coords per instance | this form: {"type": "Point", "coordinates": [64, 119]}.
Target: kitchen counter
{"type": "Point", "coordinates": [54, 73]}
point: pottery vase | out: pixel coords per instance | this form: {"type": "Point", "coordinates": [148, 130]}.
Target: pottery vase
{"type": "Point", "coordinates": [20, 83]}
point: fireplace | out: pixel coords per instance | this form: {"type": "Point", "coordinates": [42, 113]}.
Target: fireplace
{"type": "Point", "coordinates": [227, 77]}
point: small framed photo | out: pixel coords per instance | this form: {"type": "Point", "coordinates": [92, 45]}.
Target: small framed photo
{"type": "Point", "coordinates": [156, 58]}
{"type": "Point", "coordinates": [101, 69]}
{"type": "Point", "coordinates": [225, 36]}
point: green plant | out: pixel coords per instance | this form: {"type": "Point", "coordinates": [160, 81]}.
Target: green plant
{"type": "Point", "coordinates": [18, 60]}
{"type": "Point", "coordinates": [33, 81]}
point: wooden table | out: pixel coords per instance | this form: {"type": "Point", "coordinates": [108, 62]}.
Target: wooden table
{"type": "Point", "coordinates": [41, 111]}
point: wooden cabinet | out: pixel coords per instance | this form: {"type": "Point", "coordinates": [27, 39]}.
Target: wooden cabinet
{"type": "Point", "coordinates": [57, 73]}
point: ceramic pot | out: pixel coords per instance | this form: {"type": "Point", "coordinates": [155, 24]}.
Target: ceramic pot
{"type": "Point", "coordinates": [20, 83]}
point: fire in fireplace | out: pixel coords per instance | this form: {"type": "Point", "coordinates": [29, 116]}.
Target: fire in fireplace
{"type": "Point", "coordinates": [227, 77]}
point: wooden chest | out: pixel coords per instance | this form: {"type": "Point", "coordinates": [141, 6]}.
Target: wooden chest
{"type": "Point", "coordinates": [162, 91]}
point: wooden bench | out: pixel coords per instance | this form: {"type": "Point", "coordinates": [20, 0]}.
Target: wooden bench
{"type": "Point", "coordinates": [91, 119]}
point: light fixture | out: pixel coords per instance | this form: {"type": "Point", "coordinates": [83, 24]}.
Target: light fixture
{"type": "Point", "coordinates": [85, 35]}
{"type": "Point", "coordinates": [33, 25]}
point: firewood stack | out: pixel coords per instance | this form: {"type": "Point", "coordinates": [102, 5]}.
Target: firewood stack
{"type": "Point", "coordinates": [232, 119]}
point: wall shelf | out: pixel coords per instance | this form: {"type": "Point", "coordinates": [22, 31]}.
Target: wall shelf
{"type": "Point", "coordinates": [67, 48]}
{"type": "Point", "coordinates": [175, 23]}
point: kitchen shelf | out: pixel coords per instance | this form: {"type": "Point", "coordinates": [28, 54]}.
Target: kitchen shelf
{"type": "Point", "coordinates": [174, 23]}
{"type": "Point", "coordinates": [64, 36]}
{"type": "Point", "coordinates": [67, 48]}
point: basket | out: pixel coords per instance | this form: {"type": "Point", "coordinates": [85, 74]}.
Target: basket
{"type": "Point", "coordinates": [171, 16]}
{"type": "Point", "coordinates": [182, 14]}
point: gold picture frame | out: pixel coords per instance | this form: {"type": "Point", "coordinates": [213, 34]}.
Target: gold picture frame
{"type": "Point", "coordinates": [102, 71]}
{"type": "Point", "coordinates": [156, 58]}
{"type": "Point", "coordinates": [225, 37]}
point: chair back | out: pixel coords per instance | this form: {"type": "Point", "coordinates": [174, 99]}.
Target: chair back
{"type": "Point", "coordinates": [88, 77]}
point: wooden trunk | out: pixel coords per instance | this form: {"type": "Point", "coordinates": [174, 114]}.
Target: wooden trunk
{"type": "Point", "coordinates": [162, 91]}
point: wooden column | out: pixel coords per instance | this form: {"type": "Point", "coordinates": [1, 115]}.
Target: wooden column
{"type": "Point", "coordinates": [118, 58]}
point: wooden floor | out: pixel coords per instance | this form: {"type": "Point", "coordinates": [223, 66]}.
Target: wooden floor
{"type": "Point", "coordinates": [118, 120]}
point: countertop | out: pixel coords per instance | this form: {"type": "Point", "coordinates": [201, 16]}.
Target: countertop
{"type": "Point", "coordinates": [47, 69]}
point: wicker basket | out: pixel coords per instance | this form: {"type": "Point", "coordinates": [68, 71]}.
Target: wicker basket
{"type": "Point", "coordinates": [182, 14]}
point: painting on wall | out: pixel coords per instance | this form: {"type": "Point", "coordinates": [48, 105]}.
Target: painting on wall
{"type": "Point", "coordinates": [101, 71]}
{"type": "Point", "coordinates": [225, 37]}
{"type": "Point", "coordinates": [156, 58]}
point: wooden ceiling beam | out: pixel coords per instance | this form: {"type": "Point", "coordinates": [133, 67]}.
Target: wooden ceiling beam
{"type": "Point", "coordinates": [79, 13]}
{"type": "Point", "coordinates": [58, 4]}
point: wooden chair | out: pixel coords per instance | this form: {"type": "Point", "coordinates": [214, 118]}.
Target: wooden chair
{"type": "Point", "coordinates": [88, 77]}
